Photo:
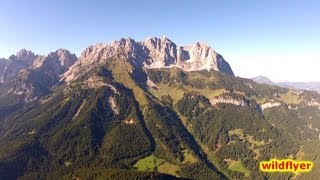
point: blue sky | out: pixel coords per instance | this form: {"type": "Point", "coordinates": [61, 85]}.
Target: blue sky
{"type": "Point", "coordinates": [276, 38]}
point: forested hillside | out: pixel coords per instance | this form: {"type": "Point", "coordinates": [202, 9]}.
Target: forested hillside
{"type": "Point", "coordinates": [118, 120]}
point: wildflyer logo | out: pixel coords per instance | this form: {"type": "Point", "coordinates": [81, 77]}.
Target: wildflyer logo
{"type": "Point", "coordinates": [285, 165]}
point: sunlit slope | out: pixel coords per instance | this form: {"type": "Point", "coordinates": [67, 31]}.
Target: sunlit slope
{"type": "Point", "coordinates": [120, 119]}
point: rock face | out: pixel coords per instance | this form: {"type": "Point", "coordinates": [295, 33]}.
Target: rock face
{"type": "Point", "coordinates": [229, 100]}
{"type": "Point", "coordinates": [153, 53]}
{"type": "Point", "coordinates": [3, 63]}
{"type": "Point", "coordinates": [34, 75]}
{"type": "Point", "coordinates": [58, 61]}
{"type": "Point", "coordinates": [270, 105]}
{"type": "Point", "coordinates": [23, 59]}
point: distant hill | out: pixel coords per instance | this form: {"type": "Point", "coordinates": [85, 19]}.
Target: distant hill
{"type": "Point", "coordinates": [262, 80]}
{"type": "Point", "coordinates": [310, 86]}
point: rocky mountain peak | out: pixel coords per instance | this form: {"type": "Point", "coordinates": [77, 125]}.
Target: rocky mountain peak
{"type": "Point", "coordinates": [160, 52]}
{"type": "Point", "coordinates": [23, 59]}
{"type": "Point", "coordinates": [64, 56]}
{"type": "Point", "coordinates": [124, 42]}
{"type": "Point", "coordinates": [201, 45]}
{"type": "Point", "coordinates": [58, 62]}
{"type": "Point", "coordinates": [62, 52]}
{"type": "Point", "coordinates": [153, 52]}
{"type": "Point", "coordinates": [156, 42]}
{"type": "Point", "coordinates": [25, 55]}
{"type": "Point", "coordinates": [61, 58]}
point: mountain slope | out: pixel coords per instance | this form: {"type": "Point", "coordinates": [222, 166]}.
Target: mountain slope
{"type": "Point", "coordinates": [109, 116]}
{"type": "Point", "coordinates": [152, 53]}
{"type": "Point", "coordinates": [34, 80]}
{"type": "Point", "coordinates": [93, 122]}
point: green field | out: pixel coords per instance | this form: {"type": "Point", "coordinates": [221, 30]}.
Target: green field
{"type": "Point", "coordinates": [188, 157]}
{"type": "Point", "coordinates": [237, 166]}
{"type": "Point", "coordinates": [168, 168]}
{"type": "Point", "coordinates": [291, 97]}
{"type": "Point", "coordinates": [149, 163]}
{"type": "Point", "coordinates": [152, 163]}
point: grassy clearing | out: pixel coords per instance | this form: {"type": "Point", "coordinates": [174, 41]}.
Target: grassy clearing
{"type": "Point", "coordinates": [237, 166]}
{"type": "Point", "coordinates": [177, 93]}
{"type": "Point", "coordinates": [300, 155]}
{"type": "Point", "coordinates": [149, 163]}
{"type": "Point", "coordinates": [188, 157]}
{"type": "Point", "coordinates": [67, 163]}
{"type": "Point", "coordinates": [152, 163]}
{"type": "Point", "coordinates": [205, 78]}
{"type": "Point", "coordinates": [168, 168]}
{"type": "Point", "coordinates": [251, 140]}
{"type": "Point", "coordinates": [257, 152]}
{"type": "Point", "coordinates": [209, 93]}
{"type": "Point", "coordinates": [291, 97]}
{"type": "Point", "coordinates": [172, 91]}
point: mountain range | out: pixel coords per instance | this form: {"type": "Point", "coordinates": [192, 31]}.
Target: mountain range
{"type": "Point", "coordinates": [311, 86]}
{"type": "Point", "coordinates": [147, 110]}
